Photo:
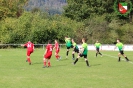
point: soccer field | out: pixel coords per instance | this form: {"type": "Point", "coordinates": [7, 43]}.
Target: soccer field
{"type": "Point", "coordinates": [104, 72]}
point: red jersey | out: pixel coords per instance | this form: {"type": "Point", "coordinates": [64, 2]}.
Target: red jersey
{"type": "Point", "coordinates": [56, 46]}
{"type": "Point", "coordinates": [30, 46]}
{"type": "Point", "coordinates": [49, 48]}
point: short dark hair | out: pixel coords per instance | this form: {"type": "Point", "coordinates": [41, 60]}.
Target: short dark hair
{"type": "Point", "coordinates": [118, 39]}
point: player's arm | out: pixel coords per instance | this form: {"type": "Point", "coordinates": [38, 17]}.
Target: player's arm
{"type": "Point", "coordinates": [33, 47]}
{"type": "Point", "coordinates": [74, 47]}
{"type": "Point", "coordinates": [23, 44]}
{"type": "Point", "coordinates": [54, 47]}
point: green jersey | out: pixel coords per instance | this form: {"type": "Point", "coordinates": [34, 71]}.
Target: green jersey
{"type": "Point", "coordinates": [85, 46]}
{"type": "Point", "coordinates": [97, 45]}
{"type": "Point", "coordinates": [120, 46]}
{"type": "Point", "coordinates": [75, 45]}
{"type": "Point", "coordinates": [68, 42]}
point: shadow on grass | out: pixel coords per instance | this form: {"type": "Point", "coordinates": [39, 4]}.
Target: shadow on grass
{"type": "Point", "coordinates": [37, 63]}
{"type": "Point", "coordinates": [64, 59]}
{"type": "Point", "coordinates": [60, 65]}
{"type": "Point", "coordinates": [95, 65]}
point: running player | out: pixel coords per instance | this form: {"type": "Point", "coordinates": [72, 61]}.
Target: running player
{"type": "Point", "coordinates": [68, 45]}
{"type": "Point", "coordinates": [75, 49]}
{"type": "Point", "coordinates": [57, 49]}
{"type": "Point", "coordinates": [83, 53]}
{"type": "Point", "coordinates": [30, 49]}
{"type": "Point", "coordinates": [97, 45]}
{"type": "Point", "coordinates": [48, 54]}
{"type": "Point", "coordinates": [121, 52]}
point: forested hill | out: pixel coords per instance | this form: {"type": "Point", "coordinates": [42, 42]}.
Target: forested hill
{"type": "Point", "coordinates": [50, 6]}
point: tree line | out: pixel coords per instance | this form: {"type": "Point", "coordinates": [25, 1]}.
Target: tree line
{"type": "Point", "coordinates": [91, 19]}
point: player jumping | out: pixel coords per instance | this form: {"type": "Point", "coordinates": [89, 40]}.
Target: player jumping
{"type": "Point", "coordinates": [48, 54]}
{"type": "Point", "coordinates": [121, 52]}
{"type": "Point", "coordinates": [68, 45]}
{"type": "Point", "coordinates": [83, 53]}
{"type": "Point", "coordinates": [75, 49]}
{"type": "Point", "coordinates": [30, 49]}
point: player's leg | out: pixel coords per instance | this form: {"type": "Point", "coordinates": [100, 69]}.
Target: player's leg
{"type": "Point", "coordinates": [46, 56]}
{"type": "Point", "coordinates": [44, 62]}
{"type": "Point", "coordinates": [86, 60]}
{"type": "Point", "coordinates": [100, 53]}
{"type": "Point", "coordinates": [57, 54]}
{"type": "Point", "coordinates": [73, 56]}
{"type": "Point", "coordinates": [119, 57]}
{"type": "Point", "coordinates": [48, 59]}
{"type": "Point", "coordinates": [28, 57]}
{"type": "Point", "coordinates": [67, 52]}
{"type": "Point", "coordinates": [97, 51]}
{"type": "Point", "coordinates": [125, 56]}
{"type": "Point", "coordinates": [49, 64]}
{"type": "Point", "coordinates": [80, 55]}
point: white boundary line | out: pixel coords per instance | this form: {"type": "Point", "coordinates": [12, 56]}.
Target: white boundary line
{"type": "Point", "coordinates": [116, 58]}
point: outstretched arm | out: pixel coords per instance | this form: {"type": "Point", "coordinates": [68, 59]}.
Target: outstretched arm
{"type": "Point", "coordinates": [22, 44]}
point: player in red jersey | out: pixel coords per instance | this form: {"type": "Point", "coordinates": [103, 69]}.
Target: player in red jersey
{"type": "Point", "coordinates": [48, 54]}
{"type": "Point", "coordinates": [30, 49]}
{"type": "Point", "coordinates": [57, 49]}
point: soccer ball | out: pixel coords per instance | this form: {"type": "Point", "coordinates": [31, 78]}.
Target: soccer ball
{"type": "Point", "coordinates": [80, 50]}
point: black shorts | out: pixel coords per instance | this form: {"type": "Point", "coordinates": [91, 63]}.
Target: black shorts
{"type": "Point", "coordinates": [68, 47]}
{"type": "Point", "coordinates": [71, 46]}
{"type": "Point", "coordinates": [76, 50]}
{"type": "Point", "coordinates": [121, 52]}
{"type": "Point", "coordinates": [81, 55]}
{"type": "Point", "coordinates": [97, 49]}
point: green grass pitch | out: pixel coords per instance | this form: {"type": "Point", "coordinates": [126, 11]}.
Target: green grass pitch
{"type": "Point", "coordinates": [104, 72]}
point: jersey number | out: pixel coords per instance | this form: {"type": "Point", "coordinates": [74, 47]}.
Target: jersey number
{"type": "Point", "coordinates": [29, 45]}
{"type": "Point", "coordinates": [51, 49]}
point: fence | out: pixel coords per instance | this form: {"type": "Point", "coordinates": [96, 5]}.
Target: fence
{"type": "Point", "coordinates": [106, 47]}
{"type": "Point", "coordinates": [2, 46]}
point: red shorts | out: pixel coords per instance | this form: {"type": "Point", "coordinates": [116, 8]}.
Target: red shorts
{"type": "Point", "coordinates": [29, 52]}
{"type": "Point", "coordinates": [48, 55]}
{"type": "Point", "coordinates": [57, 51]}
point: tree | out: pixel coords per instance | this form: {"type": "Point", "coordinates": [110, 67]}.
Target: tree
{"type": "Point", "coordinates": [82, 9]}
{"type": "Point", "coordinates": [11, 8]}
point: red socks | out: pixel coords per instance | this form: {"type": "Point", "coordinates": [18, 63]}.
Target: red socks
{"type": "Point", "coordinates": [29, 60]}
{"type": "Point", "coordinates": [57, 56]}
{"type": "Point", "coordinates": [49, 64]}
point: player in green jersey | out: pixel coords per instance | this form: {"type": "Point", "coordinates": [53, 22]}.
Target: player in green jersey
{"type": "Point", "coordinates": [121, 52]}
{"type": "Point", "coordinates": [75, 49]}
{"type": "Point", "coordinates": [97, 45]}
{"type": "Point", "coordinates": [83, 53]}
{"type": "Point", "coordinates": [68, 45]}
